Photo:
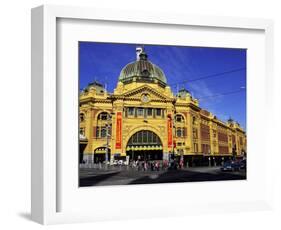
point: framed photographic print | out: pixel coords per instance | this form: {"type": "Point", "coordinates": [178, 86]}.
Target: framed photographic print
{"type": "Point", "coordinates": [137, 126]}
{"type": "Point", "coordinates": [148, 109]}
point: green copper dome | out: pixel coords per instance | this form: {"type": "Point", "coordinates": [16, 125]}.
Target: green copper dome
{"type": "Point", "coordinates": [142, 70]}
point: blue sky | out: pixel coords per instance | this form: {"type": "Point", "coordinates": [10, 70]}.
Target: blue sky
{"type": "Point", "coordinates": [221, 88]}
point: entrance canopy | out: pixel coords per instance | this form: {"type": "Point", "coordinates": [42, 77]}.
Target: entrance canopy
{"type": "Point", "coordinates": [101, 150]}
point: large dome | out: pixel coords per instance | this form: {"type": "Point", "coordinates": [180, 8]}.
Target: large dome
{"type": "Point", "coordinates": [142, 70]}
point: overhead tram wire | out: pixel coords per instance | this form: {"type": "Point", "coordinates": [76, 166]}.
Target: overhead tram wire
{"type": "Point", "coordinates": [223, 94]}
{"type": "Point", "coordinates": [210, 76]}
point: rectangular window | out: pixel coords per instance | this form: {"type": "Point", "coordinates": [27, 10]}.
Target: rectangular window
{"type": "Point", "coordinates": [205, 148]}
{"type": "Point", "coordinates": [158, 112]}
{"type": "Point", "coordinates": [139, 137]}
{"type": "Point", "coordinates": [103, 132]}
{"type": "Point", "coordinates": [82, 131]}
{"type": "Point", "coordinates": [149, 112]}
{"type": "Point", "coordinates": [131, 111]}
{"type": "Point", "coordinates": [154, 138]}
{"type": "Point", "coordinates": [135, 140]}
{"type": "Point", "coordinates": [180, 132]}
{"type": "Point", "coordinates": [140, 112]}
{"type": "Point", "coordinates": [144, 137]}
{"type": "Point", "coordinates": [195, 147]}
{"type": "Point", "coordinates": [195, 133]}
{"type": "Point", "coordinates": [149, 137]}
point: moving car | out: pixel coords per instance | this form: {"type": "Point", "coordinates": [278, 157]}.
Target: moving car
{"type": "Point", "coordinates": [231, 166]}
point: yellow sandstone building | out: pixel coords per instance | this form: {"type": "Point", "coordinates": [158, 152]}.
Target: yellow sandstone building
{"type": "Point", "coordinates": [143, 119]}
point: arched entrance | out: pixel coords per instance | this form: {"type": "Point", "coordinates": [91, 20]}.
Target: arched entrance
{"type": "Point", "coordinates": [144, 145]}
{"type": "Point", "coordinates": [82, 146]}
{"type": "Point", "coordinates": [99, 154]}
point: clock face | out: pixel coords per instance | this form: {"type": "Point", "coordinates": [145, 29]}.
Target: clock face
{"type": "Point", "coordinates": [145, 98]}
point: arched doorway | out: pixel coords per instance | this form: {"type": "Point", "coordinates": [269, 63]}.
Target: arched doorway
{"type": "Point", "coordinates": [145, 145]}
{"type": "Point", "coordinates": [99, 154]}
{"type": "Point", "coordinates": [82, 145]}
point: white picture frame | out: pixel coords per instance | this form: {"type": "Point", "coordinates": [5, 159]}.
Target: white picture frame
{"type": "Point", "coordinates": [46, 182]}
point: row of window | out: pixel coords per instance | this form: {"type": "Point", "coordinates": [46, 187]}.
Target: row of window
{"type": "Point", "coordinates": [144, 112]}
{"type": "Point", "coordinates": [100, 132]}
{"type": "Point", "coordinates": [137, 112]}
{"type": "Point", "coordinates": [205, 148]}
{"type": "Point", "coordinates": [180, 143]}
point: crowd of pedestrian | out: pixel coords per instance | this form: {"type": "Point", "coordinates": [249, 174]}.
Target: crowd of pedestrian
{"type": "Point", "coordinates": [155, 165]}
{"type": "Point", "coordinates": [145, 165]}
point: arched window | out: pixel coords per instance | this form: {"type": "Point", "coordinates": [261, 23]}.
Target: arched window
{"type": "Point", "coordinates": [82, 117]}
{"type": "Point", "coordinates": [179, 118]}
{"type": "Point", "coordinates": [144, 137]}
{"type": "Point", "coordinates": [103, 116]}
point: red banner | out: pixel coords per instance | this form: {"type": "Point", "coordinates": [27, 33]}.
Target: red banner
{"type": "Point", "coordinates": [118, 143]}
{"type": "Point", "coordinates": [170, 131]}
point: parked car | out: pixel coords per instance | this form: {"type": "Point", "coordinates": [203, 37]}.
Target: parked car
{"type": "Point", "coordinates": [231, 166]}
{"type": "Point", "coordinates": [243, 164]}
